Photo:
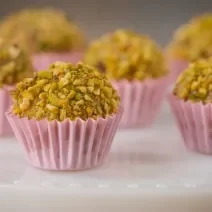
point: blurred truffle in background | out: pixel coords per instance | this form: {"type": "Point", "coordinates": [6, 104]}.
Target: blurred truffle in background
{"type": "Point", "coordinates": [15, 65]}
{"type": "Point", "coordinates": [190, 42]}
{"type": "Point", "coordinates": [136, 66]}
{"type": "Point", "coordinates": [125, 54]}
{"type": "Point", "coordinates": [45, 33]}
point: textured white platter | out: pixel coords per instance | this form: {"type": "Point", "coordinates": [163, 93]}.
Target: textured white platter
{"type": "Point", "coordinates": [147, 170]}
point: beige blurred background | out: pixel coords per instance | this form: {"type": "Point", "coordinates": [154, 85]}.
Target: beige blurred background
{"type": "Point", "coordinates": [157, 18]}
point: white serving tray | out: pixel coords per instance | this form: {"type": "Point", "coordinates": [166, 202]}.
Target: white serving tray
{"type": "Point", "coordinates": [148, 170]}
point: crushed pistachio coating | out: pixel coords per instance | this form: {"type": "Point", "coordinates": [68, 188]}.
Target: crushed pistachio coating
{"type": "Point", "coordinates": [195, 83]}
{"type": "Point", "coordinates": [15, 64]}
{"type": "Point", "coordinates": [65, 91]}
{"type": "Point", "coordinates": [124, 54]}
{"type": "Point", "coordinates": [193, 40]}
{"type": "Point", "coordinates": [42, 30]}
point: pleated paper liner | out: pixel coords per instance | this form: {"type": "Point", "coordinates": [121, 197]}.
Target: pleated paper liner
{"type": "Point", "coordinates": [194, 121]}
{"type": "Point", "coordinates": [141, 100]}
{"type": "Point", "coordinates": [67, 145]}
{"type": "Point", "coordinates": [6, 102]}
{"type": "Point", "coordinates": [42, 61]}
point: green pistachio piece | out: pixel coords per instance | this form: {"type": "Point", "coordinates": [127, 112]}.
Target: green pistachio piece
{"type": "Point", "coordinates": [96, 91]}
{"type": "Point", "coordinates": [47, 87]}
{"type": "Point", "coordinates": [83, 89]}
{"type": "Point", "coordinates": [107, 91]}
{"type": "Point", "coordinates": [63, 81]}
{"type": "Point", "coordinates": [52, 108]}
{"type": "Point", "coordinates": [89, 110]}
{"type": "Point", "coordinates": [87, 97]}
{"type": "Point", "coordinates": [25, 104]}
{"type": "Point", "coordinates": [45, 74]}
{"type": "Point", "coordinates": [53, 87]}
{"type": "Point", "coordinates": [80, 102]}
{"type": "Point", "coordinates": [42, 81]}
{"type": "Point", "coordinates": [54, 100]}
{"type": "Point", "coordinates": [62, 114]}
{"type": "Point", "coordinates": [90, 89]}
{"type": "Point", "coordinates": [90, 82]}
{"type": "Point", "coordinates": [72, 94]}
{"type": "Point", "coordinates": [28, 95]}
{"type": "Point", "coordinates": [77, 82]}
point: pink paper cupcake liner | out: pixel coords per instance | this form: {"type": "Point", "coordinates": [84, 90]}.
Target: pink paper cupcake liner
{"type": "Point", "coordinates": [176, 67]}
{"type": "Point", "coordinates": [67, 145]}
{"type": "Point", "coordinates": [194, 121]}
{"type": "Point", "coordinates": [6, 102]}
{"type": "Point", "coordinates": [43, 60]}
{"type": "Point", "coordinates": [141, 101]}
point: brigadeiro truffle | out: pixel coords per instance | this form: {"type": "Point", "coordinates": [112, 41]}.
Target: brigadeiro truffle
{"type": "Point", "coordinates": [190, 42]}
{"type": "Point", "coordinates": [135, 65]}
{"type": "Point", "coordinates": [46, 33]}
{"type": "Point", "coordinates": [65, 117]}
{"type": "Point", "coordinates": [15, 64]}
{"type": "Point", "coordinates": [191, 103]}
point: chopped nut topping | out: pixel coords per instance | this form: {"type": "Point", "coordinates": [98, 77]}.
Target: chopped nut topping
{"type": "Point", "coordinates": [195, 83]}
{"type": "Point", "coordinates": [53, 95]}
{"type": "Point", "coordinates": [126, 55]}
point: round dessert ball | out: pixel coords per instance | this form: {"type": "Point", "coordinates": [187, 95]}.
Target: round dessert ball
{"type": "Point", "coordinates": [125, 54]}
{"type": "Point", "coordinates": [65, 91]}
{"type": "Point", "coordinates": [42, 30]}
{"type": "Point", "coordinates": [195, 83]}
{"type": "Point", "coordinates": [15, 64]}
{"type": "Point", "coordinates": [193, 40]}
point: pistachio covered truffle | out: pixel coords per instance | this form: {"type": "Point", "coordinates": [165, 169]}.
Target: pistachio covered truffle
{"type": "Point", "coordinates": [124, 54]}
{"type": "Point", "coordinates": [42, 30]}
{"type": "Point", "coordinates": [195, 83]}
{"type": "Point", "coordinates": [65, 91]}
{"type": "Point", "coordinates": [193, 40]}
{"type": "Point", "coordinates": [15, 64]}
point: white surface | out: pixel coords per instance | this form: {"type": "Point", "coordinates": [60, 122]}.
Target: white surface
{"type": "Point", "coordinates": [147, 170]}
